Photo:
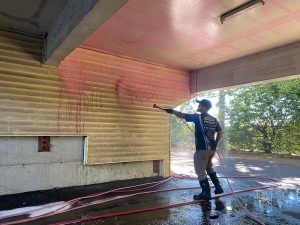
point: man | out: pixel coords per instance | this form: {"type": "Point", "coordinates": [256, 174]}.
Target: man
{"type": "Point", "coordinates": [205, 128]}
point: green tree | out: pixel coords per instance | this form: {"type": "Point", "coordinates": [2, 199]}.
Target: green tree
{"type": "Point", "coordinates": [181, 136]}
{"type": "Point", "coordinates": [221, 117]}
{"type": "Point", "coordinates": [265, 117]}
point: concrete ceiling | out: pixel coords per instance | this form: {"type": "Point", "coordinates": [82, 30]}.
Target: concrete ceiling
{"type": "Point", "coordinates": [31, 16]}
{"type": "Point", "coordinates": [188, 34]}
{"type": "Point", "coordinates": [67, 22]}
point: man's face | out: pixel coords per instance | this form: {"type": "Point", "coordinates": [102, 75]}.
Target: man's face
{"type": "Point", "coordinates": [201, 109]}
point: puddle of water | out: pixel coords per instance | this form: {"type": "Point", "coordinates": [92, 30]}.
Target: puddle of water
{"type": "Point", "coordinates": [273, 206]}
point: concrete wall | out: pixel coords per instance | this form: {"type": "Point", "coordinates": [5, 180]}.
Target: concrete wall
{"type": "Point", "coordinates": [275, 64]}
{"type": "Point", "coordinates": [23, 168]}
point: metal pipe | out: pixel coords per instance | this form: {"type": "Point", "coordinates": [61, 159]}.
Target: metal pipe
{"type": "Point", "coordinates": [157, 107]}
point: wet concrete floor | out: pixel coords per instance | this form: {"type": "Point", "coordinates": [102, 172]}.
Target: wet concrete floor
{"type": "Point", "coordinates": [271, 206]}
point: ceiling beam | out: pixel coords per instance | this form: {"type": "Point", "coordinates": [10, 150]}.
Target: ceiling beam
{"type": "Point", "coordinates": [76, 22]}
{"type": "Point", "coordinates": [275, 64]}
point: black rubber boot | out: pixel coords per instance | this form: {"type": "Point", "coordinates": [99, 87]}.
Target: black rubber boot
{"type": "Point", "coordinates": [216, 182]}
{"type": "Point", "coordinates": [205, 194]}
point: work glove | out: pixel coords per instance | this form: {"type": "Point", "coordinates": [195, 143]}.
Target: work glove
{"type": "Point", "coordinates": [169, 111]}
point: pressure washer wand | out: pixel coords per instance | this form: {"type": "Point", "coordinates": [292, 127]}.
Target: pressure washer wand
{"type": "Point", "coordinates": [157, 107]}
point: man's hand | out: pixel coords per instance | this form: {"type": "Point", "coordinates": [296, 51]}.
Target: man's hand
{"type": "Point", "coordinates": [169, 111]}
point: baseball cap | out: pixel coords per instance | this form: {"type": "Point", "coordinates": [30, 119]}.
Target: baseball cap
{"type": "Point", "coordinates": [204, 102]}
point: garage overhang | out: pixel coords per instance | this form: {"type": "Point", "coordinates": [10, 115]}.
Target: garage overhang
{"type": "Point", "coordinates": [252, 47]}
{"type": "Point", "coordinates": [186, 35]}
{"type": "Point", "coordinates": [276, 64]}
{"type": "Point", "coordinates": [62, 24]}
{"type": "Point", "coordinates": [75, 23]}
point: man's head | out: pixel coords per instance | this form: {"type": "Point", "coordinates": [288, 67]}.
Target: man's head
{"type": "Point", "coordinates": [204, 105]}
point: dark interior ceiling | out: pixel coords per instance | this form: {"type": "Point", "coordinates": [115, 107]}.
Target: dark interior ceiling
{"type": "Point", "coordinates": [30, 16]}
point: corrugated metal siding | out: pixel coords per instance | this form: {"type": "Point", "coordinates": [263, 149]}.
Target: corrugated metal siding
{"type": "Point", "coordinates": [29, 91]}
{"type": "Point", "coordinates": [105, 97]}
{"type": "Point", "coordinates": [116, 96]}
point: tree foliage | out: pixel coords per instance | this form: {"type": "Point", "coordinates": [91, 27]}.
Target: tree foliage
{"type": "Point", "coordinates": [181, 136]}
{"type": "Point", "coordinates": [265, 117]}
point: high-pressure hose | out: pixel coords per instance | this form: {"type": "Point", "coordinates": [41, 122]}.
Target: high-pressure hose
{"type": "Point", "coordinates": [143, 188]}
{"type": "Point", "coordinates": [130, 189]}
{"type": "Point", "coordinates": [249, 214]}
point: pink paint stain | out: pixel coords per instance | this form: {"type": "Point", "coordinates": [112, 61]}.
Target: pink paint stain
{"type": "Point", "coordinates": [73, 90]}
{"type": "Point", "coordinates": [87, 77]}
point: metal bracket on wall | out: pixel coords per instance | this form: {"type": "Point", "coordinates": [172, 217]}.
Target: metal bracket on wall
{"type": "Point", "coordinates": [156, 164]}
{"type": "Point", "coordinates": [158, 167]}
{"type": "Point", "coordinates": [44, 144]}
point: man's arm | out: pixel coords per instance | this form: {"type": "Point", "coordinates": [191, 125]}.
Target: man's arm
{"type": "Point", "coordinates": [219, 136]}
{"type": "Point", "coordinates": [186, 116]}
{"type": "Point", "coordinates": [179, 114]}
{"type": "Point", "coordinates": [176, 113]}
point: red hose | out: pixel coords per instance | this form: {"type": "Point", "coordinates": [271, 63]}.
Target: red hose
{"type": "Point", "coordinates": [249, 214]}
{"type": "Point", "coordinates": [153, 208]}
{"type": "Point", "coordinates": [141, 193]}
{"type": "Point", "coordinates": [73, 201]}
{"type": "Point", "coordinates": [134, 189]}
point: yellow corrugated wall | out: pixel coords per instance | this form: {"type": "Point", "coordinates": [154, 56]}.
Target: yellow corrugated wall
{"type": "Point", "coordinates": [105, 97]}
{"type": "Point", "coordinates": [29, 91]}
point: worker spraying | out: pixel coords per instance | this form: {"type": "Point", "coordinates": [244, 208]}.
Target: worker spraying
{"type": "Point", "coordinates": [206, 126]}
